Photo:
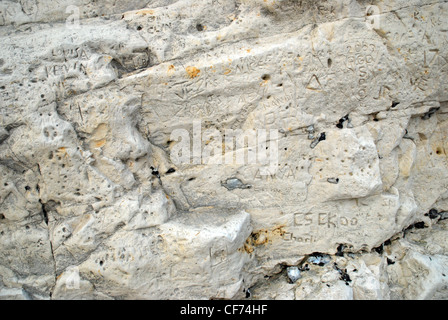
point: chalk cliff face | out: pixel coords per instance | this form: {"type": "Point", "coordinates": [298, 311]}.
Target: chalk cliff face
{"type": "Point", "coordinates": [203, 149]}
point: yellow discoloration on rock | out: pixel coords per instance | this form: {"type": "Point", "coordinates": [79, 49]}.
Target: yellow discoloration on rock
{"type": "Point", "coordinates": [144, 12]}
{"type": "Point", "coordinates": [192, 72]}
{"type": "Point", "coordinates": [99, 143]}
{"type": "Point", "coordinates": [62, 152]}
{"type": "Point", "coordinates": [262, 237]}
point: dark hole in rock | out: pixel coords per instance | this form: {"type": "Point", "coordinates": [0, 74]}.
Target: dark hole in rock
{"type": "Point", "coordinates": [379, 249]}
{"type": "Point", "coordinates": [155, 172]}
{"type": "Point", "coordinates": [322, 136]}
{"type": "Point", "coordinates": [44, 212]}
{"type": "Point", "coordinates": [344, 275]}
{"type": "Point", "coordinates": [430, 113]}
{"type": "Point", "coordinates": [340, 124]}
{"type": "Point", "coordinates": [171, 170]}
{"type": "Point", "coordinates": [418, 225]}
{"type": "Point", "coordinates": [315, 142]}
{"type": "Point", "coordinates": [199, 27]}
{"type": "Point", "coordinates": [340, 250]}
{"type": "Point", "coordinates": [306, 267]}
{"type": "Point", "coordinates": [433, 214]}
{"type": "Point", "coordinates": [265, 77]}
{"type": "Point", "coordinates": [394, 104]}
{"type": "Point", "coordinates": [389, 261]}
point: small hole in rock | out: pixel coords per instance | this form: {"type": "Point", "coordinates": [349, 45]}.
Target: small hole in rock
{"type": "Point", "coordinates": [199, 27]}
{"type": "Point", "coordinates": [265, 77]}
{"type": "Point", "coordinates": [171, 170]}
{"type": "Point", "coordinates": [139, 28]}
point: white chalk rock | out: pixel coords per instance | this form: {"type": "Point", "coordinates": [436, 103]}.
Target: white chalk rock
{"type": "Point", "coordinates": [180, 149]}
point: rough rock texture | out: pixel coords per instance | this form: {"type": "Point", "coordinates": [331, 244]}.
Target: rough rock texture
{"type": "Point", "coordinates": [413, 266]}
{"type": "Point", "coordinates": [351, 96]}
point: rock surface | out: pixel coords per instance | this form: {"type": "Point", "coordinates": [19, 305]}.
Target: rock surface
{"type": "Point", "coordinates": [124, 167]}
